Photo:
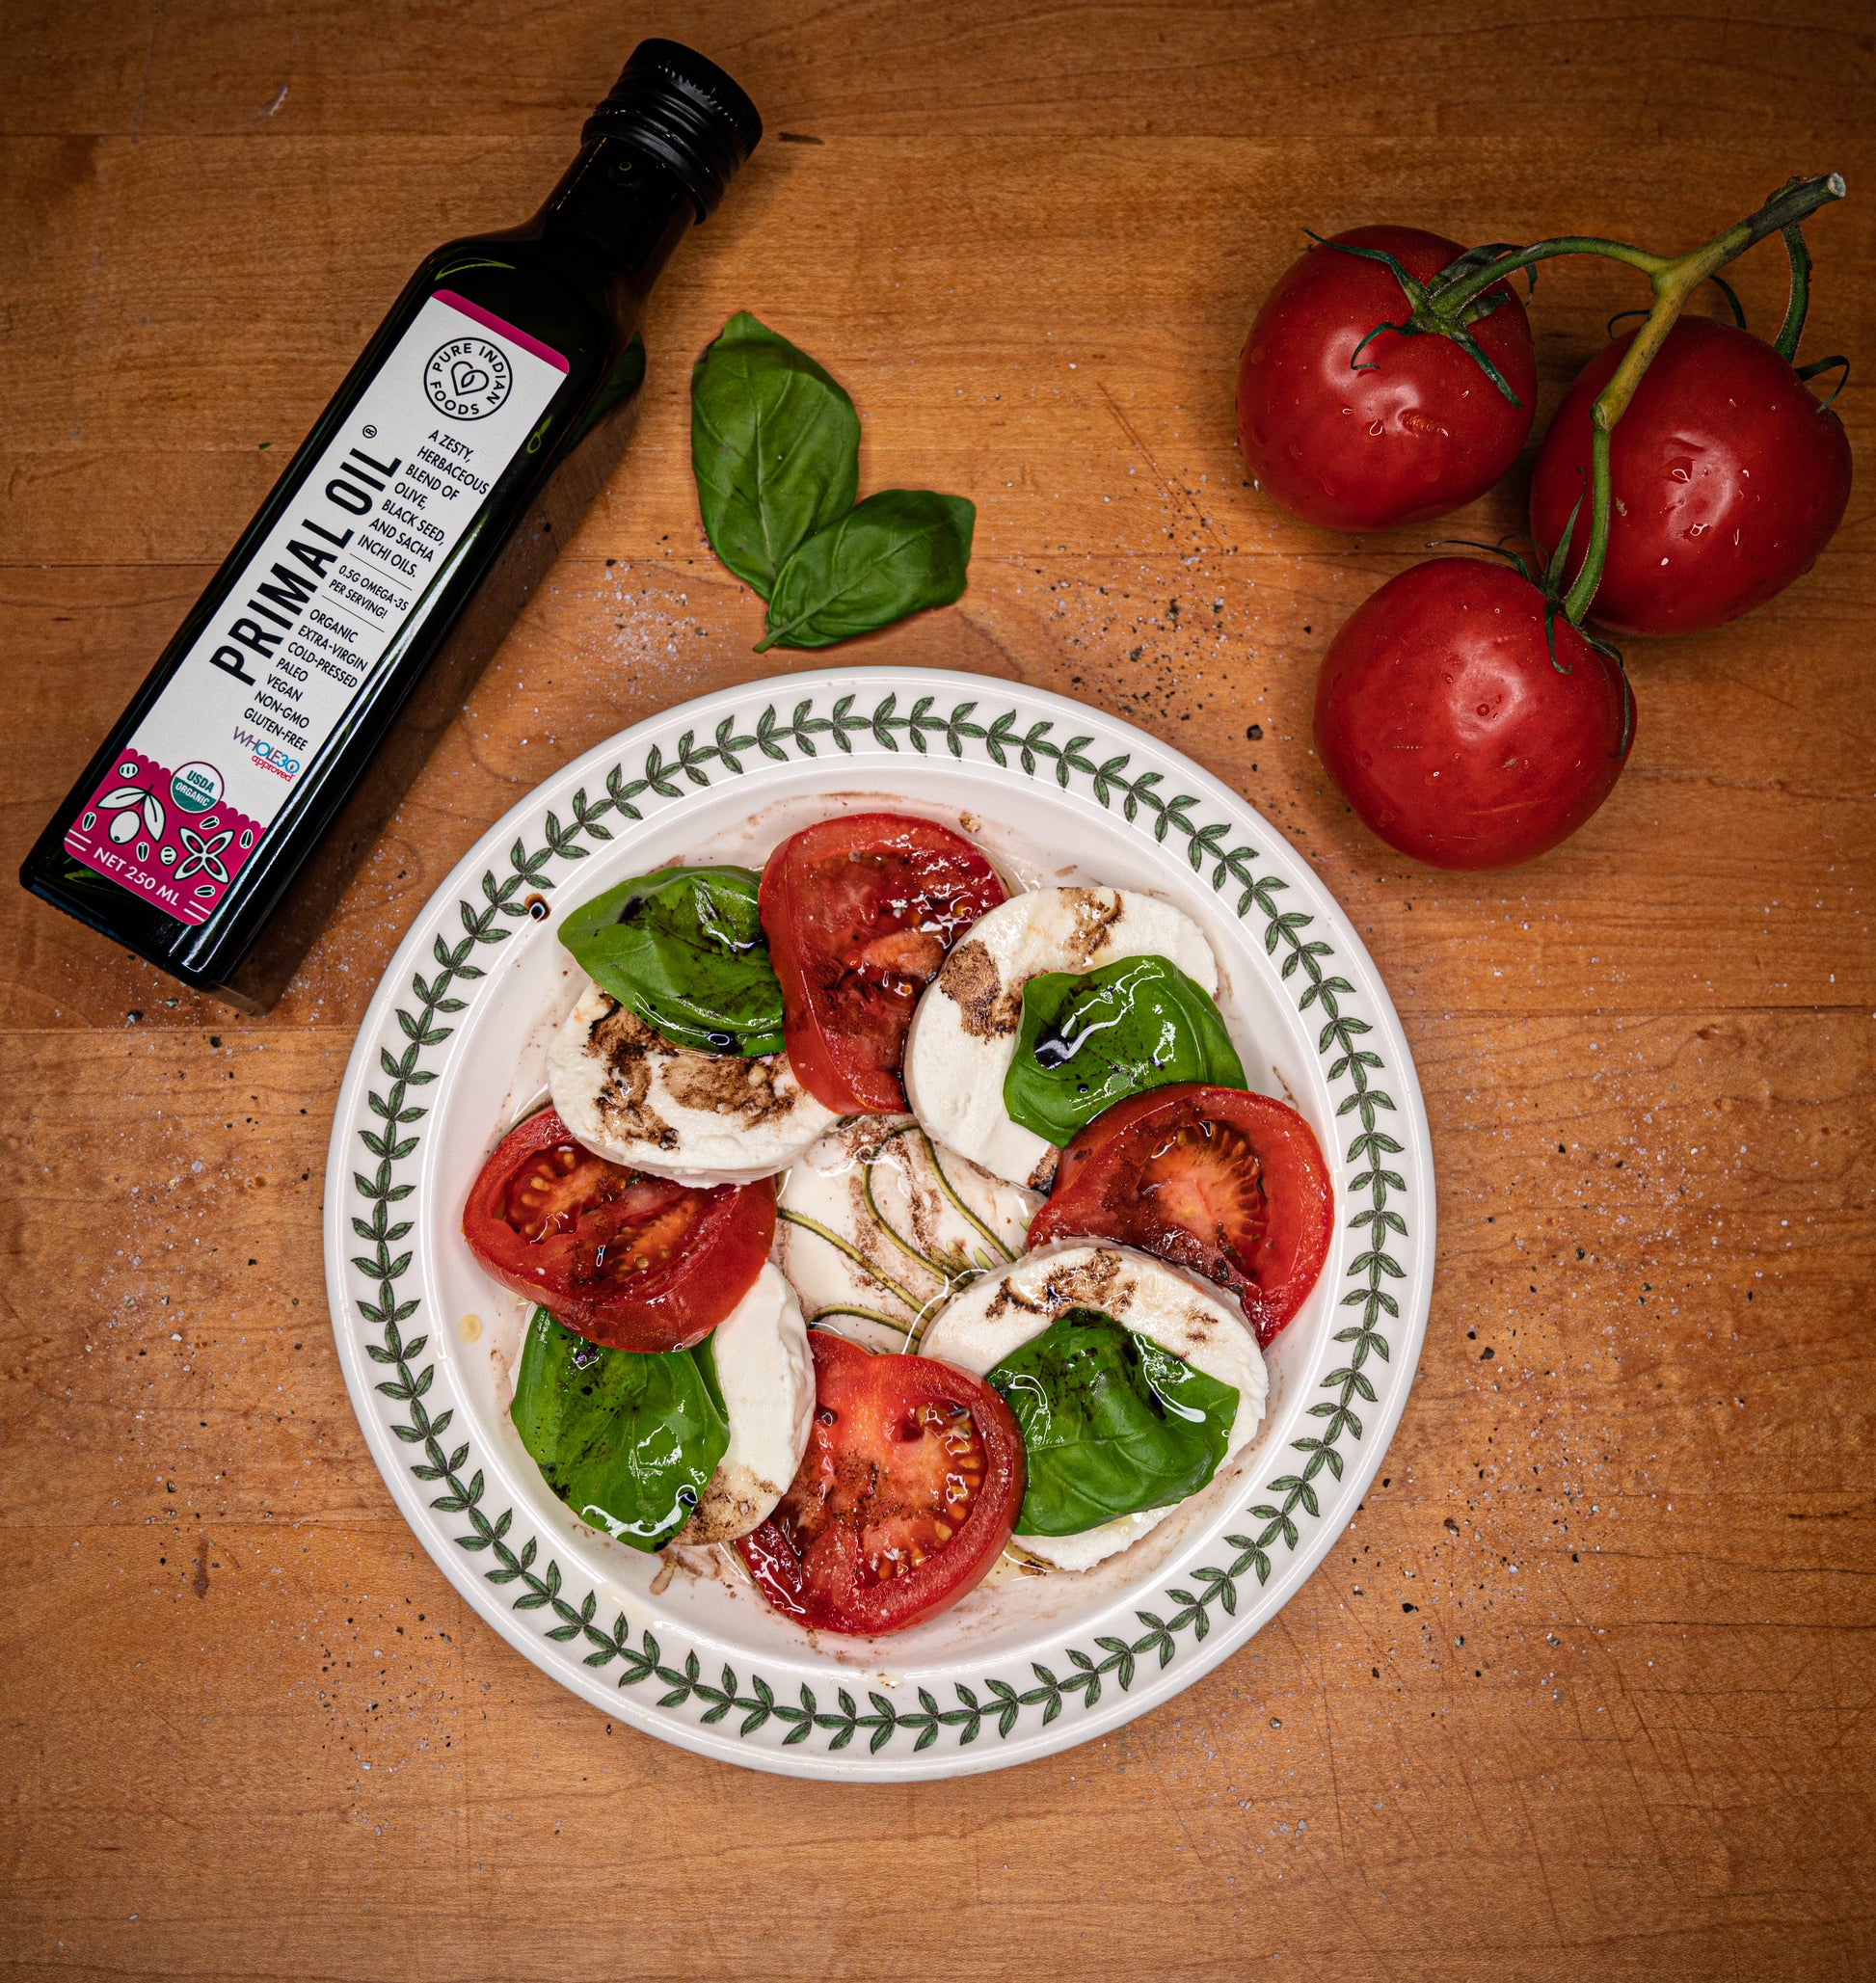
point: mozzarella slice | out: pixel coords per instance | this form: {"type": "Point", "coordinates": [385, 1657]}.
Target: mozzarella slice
{"type": "Point", "coordinates": [963, 1034]}
{"type": "Point", "coordinates": [702, 1118]}
{"type": "Point", "coordinates": [998, 1315]}
{"type": "Point", "coordinates": [877, 1226]}
{"type": "Point", "coordinates": [765, 1371]}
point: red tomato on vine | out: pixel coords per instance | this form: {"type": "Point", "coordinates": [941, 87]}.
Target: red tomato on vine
{"type": "Point", "coordinates": [1465, 720]}
{"type": "Point", "coordinates": [1728, 476]}
{"type": "Point", "coordinates": [1357, 427]}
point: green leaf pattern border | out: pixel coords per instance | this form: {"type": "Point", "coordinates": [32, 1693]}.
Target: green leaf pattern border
{"type": "Point", "coordinates": [1190, 1608]}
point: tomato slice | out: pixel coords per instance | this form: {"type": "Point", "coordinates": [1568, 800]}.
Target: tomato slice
{"type": "Point", "coordinates": [630, 1261]}
{"type": "Point", "coordinates": [907, 1493]}
{"type": "Point", "coordinates": [1229, 1185]}
{"type": "Point", "coordinates": [859, 914]}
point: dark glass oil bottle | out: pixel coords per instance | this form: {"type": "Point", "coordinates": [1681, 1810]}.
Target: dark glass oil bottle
{"type": "Point", "coordinates": [217, 827]}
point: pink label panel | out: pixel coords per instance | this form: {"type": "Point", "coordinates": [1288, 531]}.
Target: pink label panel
{"type": "Point", "coordinates": [502, 328]}
{"type": "Point", "coordinates": [164, 834]}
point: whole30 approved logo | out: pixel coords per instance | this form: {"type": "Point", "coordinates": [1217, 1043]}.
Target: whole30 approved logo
{"type": "Point", "coordinates": [469, 378]}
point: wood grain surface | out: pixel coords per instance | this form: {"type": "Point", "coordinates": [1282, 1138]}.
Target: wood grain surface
{"type": "Point", "coordinates": [1587, 1689]}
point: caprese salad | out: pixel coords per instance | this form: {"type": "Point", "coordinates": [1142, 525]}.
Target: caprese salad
{"type": "Point", "coordinates": [884, 1219]}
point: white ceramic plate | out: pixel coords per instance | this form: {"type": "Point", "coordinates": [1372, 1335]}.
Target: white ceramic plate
{"type": "Point", "coordinates": [454, 1044]}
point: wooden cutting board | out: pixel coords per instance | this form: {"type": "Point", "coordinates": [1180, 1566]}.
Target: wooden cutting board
{"type": "Point", "coordinates": [1587, 1690]}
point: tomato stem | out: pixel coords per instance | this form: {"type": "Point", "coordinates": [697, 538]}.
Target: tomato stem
{"type": "Point", "coordinates": [1423, 317]}
{"type": "Point", "coordinates": [1450, 297]}
{"type": "Point", "coordinates": [1496, 551]}
{"type": "Point", "coordinates": [1675, 283]}
{"type": "Point", "coordinates": [1576, 601]}
{"type": "Point", "coordinates": [1725, 289]}
{"type": "Point", "coordinates": [1838, 364]}
{"type": "Point", "coordinates": [1677, 279]}
{"type": "Point", "coordinates": [1785, 343]}
{"type": "Point", "coordinates": [1733, 303]}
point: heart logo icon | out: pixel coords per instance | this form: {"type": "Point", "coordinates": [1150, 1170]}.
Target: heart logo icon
{"type": "Point", "coordinates": [467, 378]}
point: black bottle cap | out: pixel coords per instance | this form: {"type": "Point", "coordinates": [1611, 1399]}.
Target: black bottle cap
{"type": "Point", "coordinates": [684, 111]}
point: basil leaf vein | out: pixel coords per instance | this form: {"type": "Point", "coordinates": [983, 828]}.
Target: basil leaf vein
{"type": "Point", "coordinates": [774, 445]}
{"type": "Point", "coordinates": [628, 1443]}
{"type": "Point", "coordinates": [1090, 1040]}
{"type": "Point", "coordinates": [1112, 1423]}
{"type": "Point", "coordinates": [897, 552]}
{"type": "Point", "coordinates": [683, 948]}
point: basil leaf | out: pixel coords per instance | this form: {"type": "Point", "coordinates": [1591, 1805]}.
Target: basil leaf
{"type": "Point", "coordinates": [683, 948]}
{"type": "Point", "coordinates": [628, 1443]}
{"type": "Point", "coordinates": [897, 552]}
{"type": "Point", "coordinates": [775, 448]}
{"type": "Point", "coordinates": [1112, 1423]}
{"type": "Point", "coordinates": [1090, 1042]}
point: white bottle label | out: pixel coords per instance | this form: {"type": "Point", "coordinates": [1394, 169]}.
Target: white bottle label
{"type": "Point", "coordinates": [354, 566]}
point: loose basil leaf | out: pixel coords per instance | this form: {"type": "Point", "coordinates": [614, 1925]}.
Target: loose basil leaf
{"type": "Point", "coordinates": [628, 1443]}
{"type": "Point", "coordinates": [1090, 1042]}
{"type": "Point", "coordinates": [683, 948]}
{"type": "Point", "coordinates": [775, 448]}
{"type": "Point", "coordinates": [897, 552]}
{"type": "Point", "coordinates": [1112, 1423]}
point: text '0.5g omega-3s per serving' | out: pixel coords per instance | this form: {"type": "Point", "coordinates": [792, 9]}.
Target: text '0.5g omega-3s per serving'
{"type": "Point", "coordinates": [217, 826]}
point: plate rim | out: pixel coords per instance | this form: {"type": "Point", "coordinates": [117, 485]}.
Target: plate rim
{"type": "Point", "coordinates": [1102, 1709]}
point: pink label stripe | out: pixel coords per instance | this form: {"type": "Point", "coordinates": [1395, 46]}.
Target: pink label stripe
{"type": "Point", "coordinates": [136, 833]}
{"type": "Point", "coordinates": [489, 321]}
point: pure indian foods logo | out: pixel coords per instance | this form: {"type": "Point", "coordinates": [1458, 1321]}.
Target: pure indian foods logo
{"type": "Point", "coordinates": [468, 378]}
